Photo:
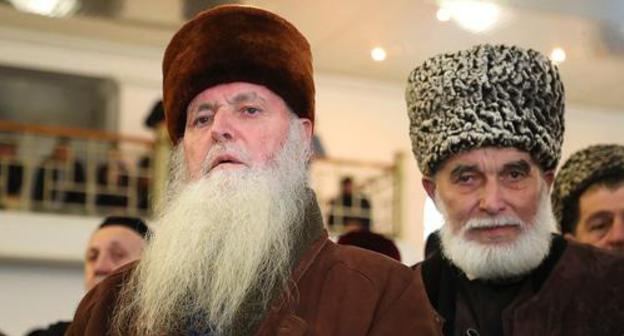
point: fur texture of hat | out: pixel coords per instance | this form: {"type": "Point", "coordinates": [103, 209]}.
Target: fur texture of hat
{"type": "Point", "coordinates": [488, 95]}
{"type": "Point", "coordinates": [234, 43]}
{"type": "Point", "coordinates": [583, 169]}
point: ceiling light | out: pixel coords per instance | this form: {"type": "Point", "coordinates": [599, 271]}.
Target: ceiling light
{"type": "Point", "coordinates": [56, 8]}
{"type": "Point", "coordinates": [474, 16]}
{"type": "Point", "coordinates": [443, 15]}
{"type": "Point", "coordinates": [558, 55]}
{"type": "Point", "coordinates": [378, 54]}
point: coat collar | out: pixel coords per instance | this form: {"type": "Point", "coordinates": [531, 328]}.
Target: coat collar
{"type": "Point", "coordinates": [439, 277]}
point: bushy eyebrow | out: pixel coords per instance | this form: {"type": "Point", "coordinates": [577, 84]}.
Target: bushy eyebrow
{"type": "Point", "coordinates": [521, 165]}
{"type": "Point", "coordinates": [207, 106]}
{"type": "Point", "coordinates": [462, 169]}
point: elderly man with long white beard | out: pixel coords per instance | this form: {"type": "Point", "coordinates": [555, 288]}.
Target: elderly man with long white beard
{"type": "Point", "coordinates": [487, 126]}
{"type": "Point", "coordinates": [240, 247]}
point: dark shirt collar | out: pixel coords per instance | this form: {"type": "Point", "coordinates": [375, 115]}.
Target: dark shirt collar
{"type": "Point", "coordinates": [440, 277]}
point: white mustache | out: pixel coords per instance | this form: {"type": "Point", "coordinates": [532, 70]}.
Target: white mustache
{"type": "Point", "coordinates": [490, 222]}
{"type": "Point", "coordinates": [240, 154]}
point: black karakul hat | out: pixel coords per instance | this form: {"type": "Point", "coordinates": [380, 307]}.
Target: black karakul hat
{"type": "Point", "coordinates": [488, 95]}
{"type": "Point", "coordinates": [133, 223]}
{"type": "Point", "coordinates": [584, 168]}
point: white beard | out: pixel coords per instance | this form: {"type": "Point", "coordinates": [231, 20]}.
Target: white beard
{"type": "Point", "coordinates": [501, 260]}
{"type": "Point", "coordinates": [223, 247]}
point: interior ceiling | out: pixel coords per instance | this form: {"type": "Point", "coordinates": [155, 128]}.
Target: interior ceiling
{"type": "Point", "coordinates": [342, 34]}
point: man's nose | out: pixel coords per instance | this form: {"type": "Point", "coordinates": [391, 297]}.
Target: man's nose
{"type": "Point", "coordinates": [492, 201]}
{"type": "Point", "coordinates": [103, 265]}
{"type": "Point", "coordinates": [616, 234]}
{"type": "Point", "coordinates": [222, 127]}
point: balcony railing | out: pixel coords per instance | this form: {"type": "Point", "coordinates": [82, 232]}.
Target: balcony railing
{"type": "Point", "coordinates": [87, 172]}
{"type": "Point", "coordinates": [78, 171]}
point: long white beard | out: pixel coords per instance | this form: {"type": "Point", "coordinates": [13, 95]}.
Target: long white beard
{"type": "Point", "coordinates": [223, 245]}
{"type": "Point", "coordinates": [501, 260]}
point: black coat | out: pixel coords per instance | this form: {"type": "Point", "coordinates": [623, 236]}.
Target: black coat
{"type": "Point", "coordinates": [577, 290]}
{"type": "Point", "coordinates": [56, 329]}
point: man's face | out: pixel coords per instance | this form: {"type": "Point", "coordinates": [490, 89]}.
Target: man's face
{"type": "Point", "coordinates": [226, 239]}
{"type": "Point", "coordinates": [601, 218]}
{"type": "Point", "coordinates": [109, 248]}
{"type": "Point", "coordinates": [489, 182]}
{"type": "Point", "coordinates": [250, 120]}
{"type": "Point", "coordinates": [497, 212]}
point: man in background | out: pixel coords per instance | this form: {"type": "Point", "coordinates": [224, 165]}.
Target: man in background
{"type": "Point", "coordinates": [11, 176]}
{"type": "Point", "coordinates": [350, 209]}
{"type": "Point", "coordinates": [116, 242]}
{"type": "Point", "coordinates": [588, 197]}
{"type": "Point", "coordinates": [60, 179]}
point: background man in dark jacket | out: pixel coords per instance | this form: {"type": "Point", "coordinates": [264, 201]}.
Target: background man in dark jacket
{"type": "Point", "coordinates": [486, 126]}
{"type": "Point", "coordinates": [239, 248]}
{"type": "Point", "coordinates": [60, 178]}
{"type": "Point", "coordinates": [349, 206]}
{"type": "Point", "coordinates": [588, 197]}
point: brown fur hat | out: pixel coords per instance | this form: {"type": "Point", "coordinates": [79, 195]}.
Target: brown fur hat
{"type": "Point", "coordinates": [235, 43]}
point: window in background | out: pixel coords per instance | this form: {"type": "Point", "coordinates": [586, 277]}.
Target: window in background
{"type": "Point", "coordinates": [50, 98]}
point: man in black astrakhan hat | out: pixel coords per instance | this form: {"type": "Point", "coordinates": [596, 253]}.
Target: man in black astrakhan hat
{"type": "Point", "coordinates": [487, 126]}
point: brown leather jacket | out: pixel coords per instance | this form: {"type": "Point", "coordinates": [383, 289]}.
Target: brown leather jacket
{"type": "Point", "coordinates": [341, 290]}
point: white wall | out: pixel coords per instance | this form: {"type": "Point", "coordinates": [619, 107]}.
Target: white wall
{"type": "Point", "coordinates": [40, 268]}
{"type": "Point", "coordinates": [587, 125]}
{"type": "Point", "coordinates": [34, 295]}
{"type": "Point", "coordinates": [45, 237]}
{"type": "Point", "coordinates": [135, 69]}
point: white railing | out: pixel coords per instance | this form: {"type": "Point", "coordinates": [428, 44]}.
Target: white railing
{"type": "Point", "coordinates": [56, 169]}
{"type": "Point", "coordinates": [86, 172]}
